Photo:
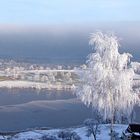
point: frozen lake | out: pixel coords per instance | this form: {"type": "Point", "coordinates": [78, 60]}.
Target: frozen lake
{"type": "Point", "coordinates": [28, 108]}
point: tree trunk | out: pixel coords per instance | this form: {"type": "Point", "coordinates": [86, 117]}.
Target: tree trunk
{"type": "Point", "coordinates": [112, 118]}
{"type": "Point", "coordinates": [111, 128]}
{"type": "Point", "coordinates": [132, 116]}
{"type": "Point", "coordinates": [94, 137]}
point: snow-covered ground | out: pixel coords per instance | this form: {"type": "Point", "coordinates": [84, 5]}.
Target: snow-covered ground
{"type": "Point", "coordinates": [34, 85]}
{"type": "Point", "coordinates": [45, 79]}
{"type": "Point", "coordinates": [81, 131]}
{"type": "Point", "coordinates": [21, 75]}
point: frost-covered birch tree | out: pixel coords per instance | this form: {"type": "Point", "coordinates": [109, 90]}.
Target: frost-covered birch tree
{"type": "Point", "coordinates": [106, 83]}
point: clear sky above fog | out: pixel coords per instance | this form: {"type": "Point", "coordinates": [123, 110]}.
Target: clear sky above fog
{"type": "Point", "coordinates": [67, 11]}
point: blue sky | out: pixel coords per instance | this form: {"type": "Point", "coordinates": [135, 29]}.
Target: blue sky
{"type": "Point", "coordinates": [67, 11]}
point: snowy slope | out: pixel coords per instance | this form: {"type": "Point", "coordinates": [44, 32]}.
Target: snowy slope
{"type": "Point", "coordinates": [81, 131]}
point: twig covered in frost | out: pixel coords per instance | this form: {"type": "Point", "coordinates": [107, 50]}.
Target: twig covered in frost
{"type": "Point", "coordinates": [106, 83]}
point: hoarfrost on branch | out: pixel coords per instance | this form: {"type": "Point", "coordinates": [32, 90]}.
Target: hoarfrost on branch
{"type": "Point", "coordinates": [107, 82]}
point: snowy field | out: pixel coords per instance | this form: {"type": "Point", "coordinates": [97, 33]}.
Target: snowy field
{"type": "Point", "coordinates": [44, 79]}
{"type": "Point", "coordinates": [81, 132]}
